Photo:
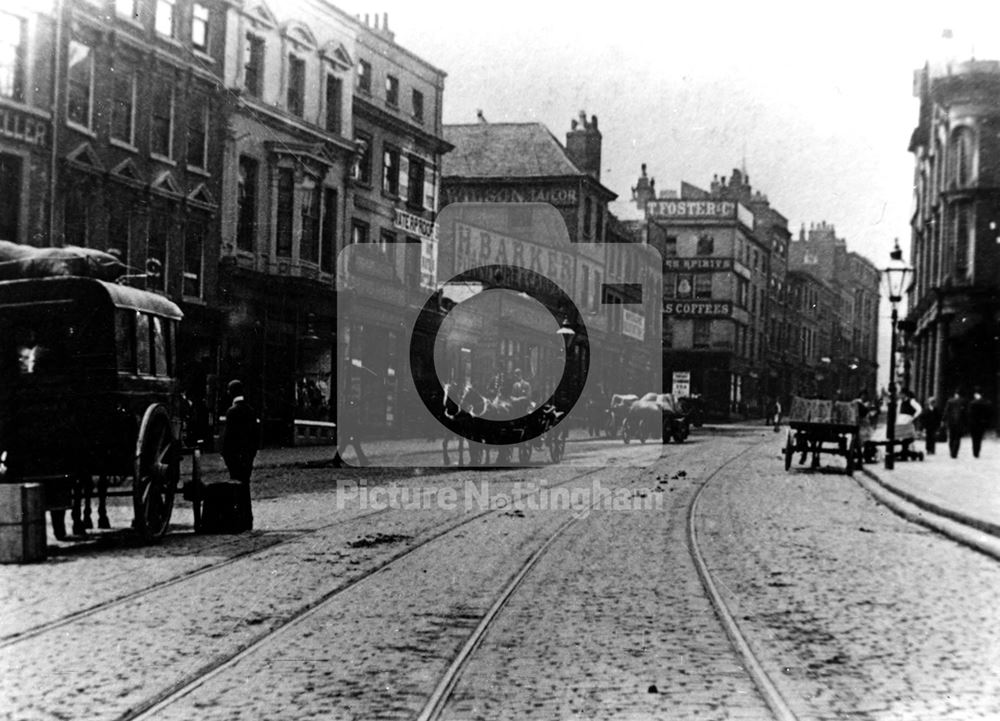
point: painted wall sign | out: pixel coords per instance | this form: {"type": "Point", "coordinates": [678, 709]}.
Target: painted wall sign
{"type": "Point", "coordinates": [702, 309]}
{"type": "Point", "coordinates": [697, 263]}
{"type": "Point", "coordinates": [554, 195]}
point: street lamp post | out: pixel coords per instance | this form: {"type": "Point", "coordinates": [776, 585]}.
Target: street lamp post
{"type": "Point", "coordinates": [895, 279]}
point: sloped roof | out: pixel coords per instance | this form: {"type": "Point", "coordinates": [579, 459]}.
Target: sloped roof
{"type": "Point", "coordinates": [505, 150]}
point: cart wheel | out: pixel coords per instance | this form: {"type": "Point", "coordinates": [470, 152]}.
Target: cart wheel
{"type": "Point", "coordinates": [789, 451]}
{"type": "Point", "coordinates": [524, 452]}
{"type": "Point", "coordinates": [157, 470]}
{"type": "Point", "coordinates": [557, 447]}
{"type": "Point", "coordinates": [681, 432]}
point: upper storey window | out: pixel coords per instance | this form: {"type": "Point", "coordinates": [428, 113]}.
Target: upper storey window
{"type": "Point", "coordinates": [296, 85]}
{"type": "Point", "coordinates": [962, 156]}
{"type": "Point", "coordinates": [199, 27]}
{"type": "Point", "coordinates": [11, 56]}
{"type": "Point", "coordinates": [165, 17]}
{"type": "Point", "coordinates": [80, 82]}
{"type": "Point", "coordinates": [392, 90]}
{"type": "Point", "coordinates": [253, 67]}
{"type": "Point", "coordinates": [364, 76]}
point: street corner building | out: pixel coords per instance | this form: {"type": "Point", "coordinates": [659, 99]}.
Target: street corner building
{"type": "Point", "coordinates": [951, 336]}
{"type": "Point", "coordinates": [751, 314]}
{"type": "Point", "coordinates": [519, 196]}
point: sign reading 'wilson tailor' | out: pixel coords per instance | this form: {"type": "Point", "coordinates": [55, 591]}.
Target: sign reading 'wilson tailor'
{"type": "Point", "coordinates": [557, 195]}
{"type": "Point", "coordinates": [702, 309]}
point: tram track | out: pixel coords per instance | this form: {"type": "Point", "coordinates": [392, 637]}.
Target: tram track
{"type": "Point", "coordinates": [219, 665]}
{"type": "Point", "coordinates": [37, 630]}
{"type": "Point", "coordinates": [437, 702]}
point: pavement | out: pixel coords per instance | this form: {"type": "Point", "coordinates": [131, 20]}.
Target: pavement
{"type": "Point", "coordinates": [959, 497]}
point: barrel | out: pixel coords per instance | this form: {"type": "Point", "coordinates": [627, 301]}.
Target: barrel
{"type": "Point", "coordinates": [22, 523]}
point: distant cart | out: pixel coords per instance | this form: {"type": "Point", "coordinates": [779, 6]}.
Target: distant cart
{"type": "Point", "coordinates": [817, 426]}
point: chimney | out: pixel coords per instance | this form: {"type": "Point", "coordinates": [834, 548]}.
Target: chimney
{"type": "Point", "coordinates": [583, 145]}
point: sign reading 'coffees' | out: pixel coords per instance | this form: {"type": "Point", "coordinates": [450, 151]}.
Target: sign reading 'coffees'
{"type": "Point", "coordinates": [703, 309]}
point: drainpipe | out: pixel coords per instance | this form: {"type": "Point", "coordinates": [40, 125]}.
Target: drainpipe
{"type": "Point", "coordinates": [54, 134]}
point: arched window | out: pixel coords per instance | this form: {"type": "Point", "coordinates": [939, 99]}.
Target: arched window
{"type": "Point", "coordinates": [962, 151]}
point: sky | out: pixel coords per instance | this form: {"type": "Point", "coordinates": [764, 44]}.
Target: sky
{"type": "Point", "coordinates": [814, 100]}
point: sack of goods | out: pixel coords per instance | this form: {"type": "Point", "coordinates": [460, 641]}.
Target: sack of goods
{"type": "Point", "coordinates": [25, 261]}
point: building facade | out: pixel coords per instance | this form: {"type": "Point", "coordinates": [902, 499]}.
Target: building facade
{"type": "Point", "coordinates": [395, 182]}
{"type": "Point", "coordinates": [27, 41]}
{"type": "Point", "coordinates": [138, 139]}
{"type": "Point", "coordinates": [750, 315]}
{"type": "Point", "coordinates": [954, 300]}
{"type": "Point", "coordinates": [289, 155]}
{"type": "Point", "coordinates": [502, 174]}
{"type": "Point", "coordinates": [847, 361]}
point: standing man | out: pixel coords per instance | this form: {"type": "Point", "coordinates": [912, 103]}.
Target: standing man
{"type": "Point", "coordinates": [954, 418]}
{"type": "Point", "coordinates": [980, 415]}
{"type": "Point", "coordinates": [931, 421]}
{"type": "Point", "coordinates": [239, 447]}
{"type": "Point", "coordinates": [349, 434]}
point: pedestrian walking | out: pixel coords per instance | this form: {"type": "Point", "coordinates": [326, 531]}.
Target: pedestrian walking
{"type": "Point", "coordinates": [349, 434]}
{"type": "Point", "coordinates": [955, 417]}
{"type": "Point", "coordinates": [980, 416]}
{"type": "Point", "coordinates": [240, 441]}
{"type": "Point", "coordinates": [931, 421]}
{"type": "Point", "coordinates": [776, 415]}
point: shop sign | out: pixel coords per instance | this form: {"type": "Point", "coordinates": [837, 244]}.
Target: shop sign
{"type": "Point", "coordinates": [554, 195]}
{"type": "Point", "coordinates": [697, 263]}
{"type": "Point", "coordinates": [699, 210]}
{"type": "Point", "coordinates": [702, 309]}
{"type": "Point", "coordinates": [415, 225]}
{"type": "Point", "coordinates": [476, 247]}
{"type": "Point", "coordinates": [681, 385]}
{"type": "Point", "coordinates": [633, 325]}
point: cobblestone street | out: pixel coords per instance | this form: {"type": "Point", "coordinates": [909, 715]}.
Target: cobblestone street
{"type": "Point", "coordinates": [363, 595]}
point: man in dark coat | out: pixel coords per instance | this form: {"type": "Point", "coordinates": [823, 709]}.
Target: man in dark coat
{"type": "Point", "coordinates": [980, 415]}
{"type": "Point", "coordinates": [931, 421]}
{"type": "Point", "coordinates": [239, 447]}
{"type": "Point", "coordinates": [955, 417]}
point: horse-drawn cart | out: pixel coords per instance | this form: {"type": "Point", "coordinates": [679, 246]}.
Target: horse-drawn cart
{"type": "Point", "coordinates": [88, 390]}
{"type": "Point", "coordinates": [817, 426]}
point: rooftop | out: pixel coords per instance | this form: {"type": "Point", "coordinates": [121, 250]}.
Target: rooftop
{"type": "Point", "coordinates": [506, 150]}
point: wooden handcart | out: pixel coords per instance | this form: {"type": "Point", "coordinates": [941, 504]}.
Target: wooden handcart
{"type": "Point", "coordinates": [816, 427]}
